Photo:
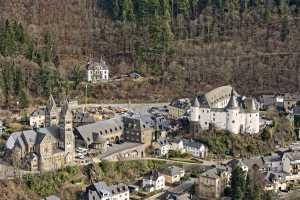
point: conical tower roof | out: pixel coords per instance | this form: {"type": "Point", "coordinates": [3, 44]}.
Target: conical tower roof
{"type": "Point", "coordinates": [253, 105]}
{"type": "Point", "coordinates": [233, 104]}
{"type": "Point", "coordinates": [196, 102]}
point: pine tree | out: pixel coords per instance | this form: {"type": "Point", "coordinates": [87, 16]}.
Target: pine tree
{"type": "Point", "coordinates": [183, 7]}
{"type": "Point", "coordinates": [238, 183]}
{"type": "Point", "coordinates": [127, 11]}
{"type": "Point", "coordinates": [23, 99]}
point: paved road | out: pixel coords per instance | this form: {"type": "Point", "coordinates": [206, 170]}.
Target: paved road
{"type": "Point", "coordinates": [203, 162]}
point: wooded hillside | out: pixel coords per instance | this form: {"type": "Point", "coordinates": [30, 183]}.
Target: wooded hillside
{"type": "Point", "coordinates": [186, 45]}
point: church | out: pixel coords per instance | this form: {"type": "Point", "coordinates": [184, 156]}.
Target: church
{"type": "Point", "coordinates": [223, 109]}
{"type": "Point", "coordinates": [44, 149]}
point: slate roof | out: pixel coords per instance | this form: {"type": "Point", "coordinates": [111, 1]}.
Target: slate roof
{"type": "Point", "coordinates": [152, 175]}
{"type": "Point", "coordinates": [102, 188]}
{"type": "Point", "coordinates": [93, 64]}
{"type": "Point", "coordinates": [172, 170]}
{"type": "Point", "coordinates": [103, 127]}
{"type": "Point", "coordinates": [181, 103]}
{"type": "Point", "coordinates": [293, 156]}
{"type": "Point", "coordinates": [215, 172]}
{"type": "Point", "coordinates": [232, 104]}
{"type": "Point", "coordinates": [39, 112]}
{"type": "Point", "coordinates": [193, 144]}
{"type": "Point", "coordinates": [31, 136]}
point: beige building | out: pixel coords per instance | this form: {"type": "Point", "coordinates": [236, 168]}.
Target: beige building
{"type": "Point", "coordinates": [211, 184]}
{"type": "Point", "coordinates": [44, 149]}
{"type": "Point", "coordinates": [172, 174]}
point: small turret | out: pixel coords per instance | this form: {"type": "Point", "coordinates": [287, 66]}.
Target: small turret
{"type": "Point", "coordinates": [196, 102]}
{"type": "Point", "coordinates": [232, 104]}
{"type": "Point", "coordinates": [195, 110]}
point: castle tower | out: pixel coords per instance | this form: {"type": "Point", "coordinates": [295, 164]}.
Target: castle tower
{"type": "Point", "coordinates": [233, 117]}
{"type": "Point", "coordinates": [252, 118]}
{"type": "Point", "coordinates": [67, 139]}
{"type": "Point", "coordinates": [194, 119]}
{"type": "Point", "coordinates": [52, 112]}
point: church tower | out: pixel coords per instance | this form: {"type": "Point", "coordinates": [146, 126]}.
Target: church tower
{"type": "Point", "coordinates": [194, 119]}
{"type": "Point", "coordinates": [52, 114]}
{"type": "Point", "coordinates": [67, 139]}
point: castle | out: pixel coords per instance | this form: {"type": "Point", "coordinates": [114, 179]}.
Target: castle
{"type": "Point", "coordinates": [48, 148]}
{"type": "Point", "coordinates": [223, 109]}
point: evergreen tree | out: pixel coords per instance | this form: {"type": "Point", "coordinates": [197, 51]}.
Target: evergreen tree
{"type": "Point", "coordinates": [238, 183]}
{"type": "Point", "coordinates": [127, 11]}
{"type": "Point", "coordinates": [183, 7]}
{"type": "Point", "coordinates": [23, 99]}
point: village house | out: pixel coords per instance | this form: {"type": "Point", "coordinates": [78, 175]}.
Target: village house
{"type": "Point", "coordinates": [172, 174]}
{"type": "Point", "coordinates": [100, 191]}
{"type": "Point", "coordinates": [183, 191]}
{"type": "Point", "coordinates": [44, 149]}
{"type": "Point", "coordinates": [291, 165]}
{"type": "Point", "coordinates": [211, 184]}
{"type": "Point", "coordinates": [223, 109]}
{"type": "Point", "coordinates": [273, 162]}
{"type": "Point", "coordinates": [38, 117]}
{"type": "Point", "coordinates": [153, 181]}
{"type": "Point", "coordinates": [179, 107]}
{"type": "Point", "coordinates": [275, 181]}
{"type": "Point", "coordinates": [97, 71]}
{"type": "Point", "coordinates": [290, 101]}
{"type": "Point", "coordinates": [196, 149]}
{"type": "Point", "coordinates": [161, 147]}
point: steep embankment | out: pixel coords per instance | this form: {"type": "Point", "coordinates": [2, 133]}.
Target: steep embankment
{"type": "Point", "coordinates": [255, 47]}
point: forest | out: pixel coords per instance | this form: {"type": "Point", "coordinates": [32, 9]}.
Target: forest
{"type": "Point", "coordinates": [183, 46]}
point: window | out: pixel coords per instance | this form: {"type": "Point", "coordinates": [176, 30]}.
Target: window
{"type": "Point", "coordinates": [233, 121]}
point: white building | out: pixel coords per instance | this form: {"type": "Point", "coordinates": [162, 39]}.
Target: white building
{"type": "Point", "coordinates": [38, 117]}
{"type": "Point", "coordinates": [162, 147]}
{"type": "Point", "coordinates": [291, 165]}
{"type": "Point", "coordinates": [153, 181]}
{"type": "Point", "coordinates": [97, 71]}
{"type": "Point", "coordinates": [196, 149]}
{"type": "Point", "coordinates": [100, 191]}
{"type": "Point", "coordinates": [223, 109]}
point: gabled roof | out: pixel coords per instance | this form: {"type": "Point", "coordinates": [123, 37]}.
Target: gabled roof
{"type": "Point", "coordinates": [172, 170]}
{"type": "Point", "coordinates": [293, 156]}
{"type": "Point", "coordinates": [93, 64]}
{"type": "Point", "coordinates": [152, 175]}
{"type": "Point", "coordinates": [104, 127]}
{"type": "Point", "coordinates": [215, 172]}
{"type": "Point", "coordinates": [31, 137]}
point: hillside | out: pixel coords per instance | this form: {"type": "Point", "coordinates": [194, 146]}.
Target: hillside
{"type": "Point", "coordinates": [187, 46]}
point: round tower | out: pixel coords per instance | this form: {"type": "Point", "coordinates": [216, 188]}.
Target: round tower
{"type": "Point", "coordinates": [194, 118]}
{"type": "Point", "coordinates": [233, 117]}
